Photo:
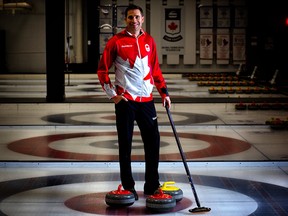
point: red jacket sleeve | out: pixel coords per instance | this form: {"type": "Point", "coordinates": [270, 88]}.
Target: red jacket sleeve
{"type": "Point", "coordinates": [104, 65]}
{"type": "Point", "coordinates": [159, 80]}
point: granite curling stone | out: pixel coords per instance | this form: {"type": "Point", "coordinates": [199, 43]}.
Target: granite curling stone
{"type": "Point", "coordinates": [169, 188]}
{"type": "Point", "coordinates": [160, 202]}
{"type": "Point", "coordinates": [119, 198]}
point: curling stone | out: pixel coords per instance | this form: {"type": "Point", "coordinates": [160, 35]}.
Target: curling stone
{"type": "Point", "coordinates": [119, 198]}
{"type": "Point", "coordinates": [160, 202]}
{"type": "Point", "coordinates": [174, 191]}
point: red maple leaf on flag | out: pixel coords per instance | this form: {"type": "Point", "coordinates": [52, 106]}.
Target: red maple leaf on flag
{"type": "Point", "coordinates": [172, 26]}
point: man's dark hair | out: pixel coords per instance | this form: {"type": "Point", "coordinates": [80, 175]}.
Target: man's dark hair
{"type": "Point", "coordinates": [133, 7]}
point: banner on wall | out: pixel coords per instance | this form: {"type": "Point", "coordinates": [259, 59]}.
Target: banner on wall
{"type": "Point", "coordinates": [223, 17]}
{"type": "Point", "coordinates": [239, 50]}
{"type": "Point", "coordinates": [206, 46]}
{"type": "Point", "coordinates": [121, 16]}
{"type": "Point", "coordinates": [172, 39]}
{"type": "Point", "coordinates": [240, 17]}
{"type": "Point", "coordinates": [206, 17]}
{"type": "Point", "coordinates": [223, 43]}
{"type": "Point", "coordinates": [103, 39]}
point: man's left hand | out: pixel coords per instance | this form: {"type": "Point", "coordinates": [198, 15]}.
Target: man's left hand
{"type": "Point", "coordinates": [167, 102]}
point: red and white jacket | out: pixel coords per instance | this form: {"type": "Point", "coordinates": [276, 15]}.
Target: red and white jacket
{"type": "Point", "coordinates": [136, 64]}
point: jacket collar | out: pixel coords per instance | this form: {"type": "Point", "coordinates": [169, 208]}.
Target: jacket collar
{"type": "Point", "coordinates": [141, 33]}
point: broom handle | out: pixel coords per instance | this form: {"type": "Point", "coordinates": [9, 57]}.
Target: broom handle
{"type": "Point", "coordinates": [183, 156]}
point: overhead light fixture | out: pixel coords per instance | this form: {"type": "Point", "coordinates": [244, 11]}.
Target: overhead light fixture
{"type": "Point", "coordinates": [14, 6]}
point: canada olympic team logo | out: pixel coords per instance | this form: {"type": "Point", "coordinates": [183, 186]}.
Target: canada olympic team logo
{"type": "Point", "coordinates": [147, 47]}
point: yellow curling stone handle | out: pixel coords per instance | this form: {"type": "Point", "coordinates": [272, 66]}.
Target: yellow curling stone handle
{"type": "Point", "coordinates": [167, 186]}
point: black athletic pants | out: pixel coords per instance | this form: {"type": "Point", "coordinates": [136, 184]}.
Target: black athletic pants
{"type": "Point", "coordinates": [144, 113]}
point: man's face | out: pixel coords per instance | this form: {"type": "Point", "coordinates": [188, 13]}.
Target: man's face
{"type": "Point", "coordinates": [134, 21]}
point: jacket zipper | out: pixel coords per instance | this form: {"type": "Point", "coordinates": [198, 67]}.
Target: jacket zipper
{"type": "Point", "coordinates": [143, 69]}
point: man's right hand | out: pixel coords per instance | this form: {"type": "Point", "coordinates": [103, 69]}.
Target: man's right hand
{"type": "Point", "coordinates": [118, 98]}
